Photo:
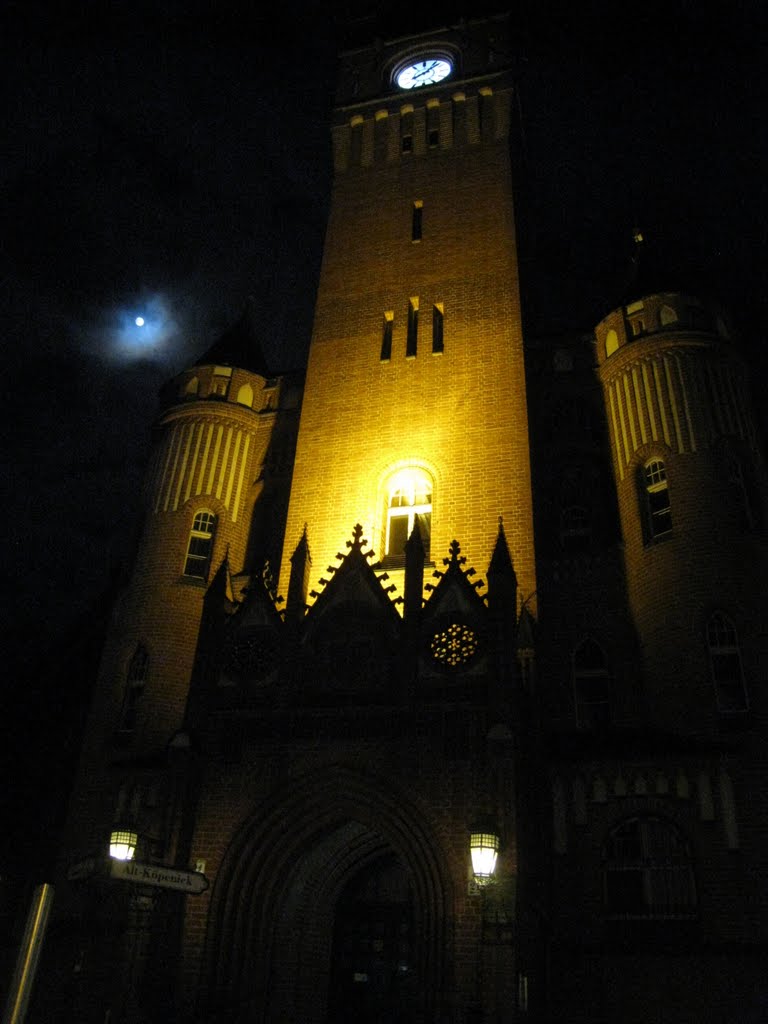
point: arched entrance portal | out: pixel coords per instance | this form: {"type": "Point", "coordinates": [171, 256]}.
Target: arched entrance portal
{"type": "Point", "coordinates": [372, 976]}
{"type": "Point", "coordinates": [331, 907]}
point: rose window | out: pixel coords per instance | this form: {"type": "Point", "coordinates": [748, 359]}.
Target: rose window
{"type": "Point", "coordinates": [251, 655]}
{"type": "Point", "coordinates": [454, 646]}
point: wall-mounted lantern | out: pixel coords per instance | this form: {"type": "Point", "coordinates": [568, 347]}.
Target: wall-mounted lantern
{"type": "Point", "coordinates": [484, 843]}
{"type": "Point", "coordinates": [122, 843]}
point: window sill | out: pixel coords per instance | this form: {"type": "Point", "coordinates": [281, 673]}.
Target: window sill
{"type": "Point", "coordinates": [193, 581]}
{"type": "Point", "coordinates": [662, 538]}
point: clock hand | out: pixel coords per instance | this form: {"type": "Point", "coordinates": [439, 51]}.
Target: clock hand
{"type": "Point", "coordinates": [426, 71]}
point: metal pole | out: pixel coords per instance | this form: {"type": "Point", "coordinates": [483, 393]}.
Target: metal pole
{"type": "Point", "coordinates": [29, 954]}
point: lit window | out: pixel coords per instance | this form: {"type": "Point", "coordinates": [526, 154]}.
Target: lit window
{"type": "Point", "coordinates": [220, 381]}
{"type": "Point", "coordinates": [725, 664]}
{"type": "Point", "coordinates": [647, 871]}
{"type": "Point", "coordinates": [592, 686]}
{"type": "Point", "coordinates": [409, 503]}
{"type": "Point", "coordinates": [386, 337]}
{"type": "Point", "coordinates": [134, 687]}
{"type": "Point", "coordinates": [413, 328]}
{"type": "Point", "coordinates": [200, 546]}
{"type": "Point", "coordinates": [416, 221]}
{"type": "Point", "coordinates": [658, 513]}
{"type": "Point", "coordinates": [454, 646]}
{"type": "Point", "coordinates": [438, 319]}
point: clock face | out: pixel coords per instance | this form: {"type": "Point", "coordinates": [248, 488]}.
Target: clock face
{"type": "Point", "coordinates": [424, 72]}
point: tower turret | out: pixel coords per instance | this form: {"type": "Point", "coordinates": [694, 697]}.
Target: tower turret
{"type": "Point", "coordinates": [217, 488]}
{"type": "Point", "coordinates": [691, 485]}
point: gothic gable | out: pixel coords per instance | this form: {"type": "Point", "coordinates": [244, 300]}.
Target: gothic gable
{"type": "Point", "coordinates": [351, 635]}
{"type": "Point", "coordinates": [455, 620]}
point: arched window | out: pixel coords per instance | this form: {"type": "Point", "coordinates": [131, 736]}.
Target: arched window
{"type": "Point", "coordinates": [200, 547]}
{"type": "Point", "coordinates": [136, 679]}
{"type": "Point", "coordinates": [592, 686]}
{"type": "Point", "coordinates": [409, 503]}
{"type": "Point", "coordinates": [647, 871]}
{"type": "Point", "coordinates": [725, 664]}
{"type": "Point", "coordinates": [657, 515]}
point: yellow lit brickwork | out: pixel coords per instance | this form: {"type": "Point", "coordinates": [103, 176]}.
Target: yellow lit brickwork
{"type": "Point", "coordinates": [457, 408]}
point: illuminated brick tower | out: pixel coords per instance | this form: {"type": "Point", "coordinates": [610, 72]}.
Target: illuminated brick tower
{"type": "Point", "coordinates": [415, 400]}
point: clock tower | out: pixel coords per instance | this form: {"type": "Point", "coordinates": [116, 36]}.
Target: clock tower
{"type": "Point", "coordinates": [329, 763]}
{"type": "Point", "coordinates": [414, 410]}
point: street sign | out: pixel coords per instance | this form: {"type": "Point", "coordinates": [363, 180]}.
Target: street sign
{"type": "Point", "coordinates": [191, 882]}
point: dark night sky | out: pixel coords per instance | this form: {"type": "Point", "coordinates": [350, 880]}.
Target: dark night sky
{"type": "Point", "coordinates": [172, 159]}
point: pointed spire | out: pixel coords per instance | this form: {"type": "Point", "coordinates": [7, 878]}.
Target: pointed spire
{"type": "Point", "coordinates": [502, 580]}
{"type": "Point", "coordinates": [415, 557]}
{"type": "Point", "coordinates": [221, 584]}
{"type": "Point", "coordinates": [298, 584]}
{"type": "Point", "coordinates": [239, 345]}
{"type": "Point", "coordinates": [647, 271]}
{"type": "Point", "coordinates": [501, 560]}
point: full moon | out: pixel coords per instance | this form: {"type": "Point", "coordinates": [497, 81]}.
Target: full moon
{"type": "Point", "coordinates": [139, 321]}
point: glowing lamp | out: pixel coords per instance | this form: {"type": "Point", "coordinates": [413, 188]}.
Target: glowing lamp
{"type": "Point", "coordinates": [122, 844]}
{"type": "Point", "coordinates": [484, 845]}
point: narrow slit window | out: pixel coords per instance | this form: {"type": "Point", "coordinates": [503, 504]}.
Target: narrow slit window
{"type": "Point", "coordinates": [134, 687]}
{"type": "Point", "coordinates": [406, 130]}
{"type": "Point", "coordinates": [386, 337]}
{"type": "Point", "coordinates": [416, 221]}
{"type": "Point", "coordinates": [413, 328]}
{"type": "Point", "coordinates": [433, 124]}
{"type": "Point", "coordinates": [438, 317]}
{"type": "Point", "coordinates": [356, 141]}
{"type": "Point", "coordinates": [725, 664]}
{"type": "Point", "coordinates": [592, 685]}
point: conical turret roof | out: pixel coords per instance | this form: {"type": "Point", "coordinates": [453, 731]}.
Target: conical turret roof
{"type": "Point", "coordinates": [239, 345]}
